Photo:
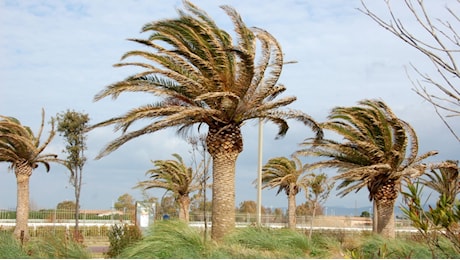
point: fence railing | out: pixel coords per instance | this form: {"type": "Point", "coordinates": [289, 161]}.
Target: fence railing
{"type": "Point", "coordinates": [98, 223]}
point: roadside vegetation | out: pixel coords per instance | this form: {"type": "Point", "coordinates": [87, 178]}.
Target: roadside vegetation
{"type": "Point", "coordinates": [174, 239]}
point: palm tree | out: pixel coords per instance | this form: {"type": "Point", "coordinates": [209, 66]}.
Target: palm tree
{"type": "Point", "coordinates": [378, 152]}
{"type": "Point", "coordinates": [444, 178]}
{"type": "Point", "coordinates": [201, 76]}
{"type": "Point", "coordinates": [22, 149]}
{"type": "Point", "coordinates": [176, 177]}
{"type": "Point", "coordinates": [284, 174]}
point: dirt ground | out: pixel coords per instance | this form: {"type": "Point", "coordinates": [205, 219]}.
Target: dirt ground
{"type": "Point", "coordinates": [97, 247]}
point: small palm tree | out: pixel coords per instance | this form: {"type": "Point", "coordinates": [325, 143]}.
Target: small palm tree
{"type": "Point", "coordinates": [176, 177]}
{"type": "Point", "coordinates": [317, 188]}
{"type": "Point", "coordinates": [23, 150]}
{"type": "Point", "coordinates": [378, 152]}
{"type": "Point", "coordinates": [201, 76]}
{"type": "Point", "coordinates": [284, 174]}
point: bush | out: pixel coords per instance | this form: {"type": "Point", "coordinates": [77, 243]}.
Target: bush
{"type": "Point", "coordinates": [120, 237]}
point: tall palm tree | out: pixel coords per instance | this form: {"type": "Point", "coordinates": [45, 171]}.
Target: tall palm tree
{"type": "Point", "coordinates": [23, 150]}
{"type": "Point", "coordinates": [204, 77]}
{"type": "Point", "coordinates": [378, 152]}
{"type": "Point", "coordinates": [284, 174]}
{"type": "Point", "coordinates": [176, 177]}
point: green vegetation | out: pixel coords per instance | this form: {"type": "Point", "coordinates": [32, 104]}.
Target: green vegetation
{"type": "Point", "coordinates": [49, 246]}
{"type": "Point", "coordinates": [174, 239]}
{"type": "Point", "coordinates": [120, 237]}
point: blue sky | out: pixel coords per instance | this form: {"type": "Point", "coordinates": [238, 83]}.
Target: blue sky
{"type": "Point", "coordinates": [57, 55]}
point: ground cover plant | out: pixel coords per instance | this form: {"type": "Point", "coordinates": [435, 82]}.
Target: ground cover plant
{"type": "Point", "coordinates": [173, 239]}
{"type": "Point", "coordinates": [50, 246]}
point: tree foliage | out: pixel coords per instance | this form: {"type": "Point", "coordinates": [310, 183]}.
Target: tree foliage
{"type": "Point", "coordinates": [442, 219]}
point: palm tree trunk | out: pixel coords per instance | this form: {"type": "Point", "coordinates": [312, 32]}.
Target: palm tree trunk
{"type": "Point", "coordinates": [313, 214]}
{"type": "Point", "coordinates": [375, 217]}
{"type": "Point", "coordinates": [23, 172]}
{"type": "Point", "coordinates": [224, 143]}
{"type": "Point", "coordinates": [223, 195]}
{"type": "Point", "coordinates": [386, 218]}
{"type": "Point", "coordinates": [184, 207]}
{"type": "Point", "coordinates": [291, 210]}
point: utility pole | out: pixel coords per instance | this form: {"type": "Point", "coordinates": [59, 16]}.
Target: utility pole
{"type": "Point", "coordinates": [259, 175]}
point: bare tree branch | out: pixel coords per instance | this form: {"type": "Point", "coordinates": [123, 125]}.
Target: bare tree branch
{"type": "Point", "coordinates": [438, 39]}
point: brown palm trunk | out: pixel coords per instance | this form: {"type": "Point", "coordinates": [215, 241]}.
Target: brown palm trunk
{"type": "Point", "coordinates": [224, 144]}
{"type": "Point", "coordinates": [23, 172]}
{"type": "Point", "coordinates": [313, 214]}
{"type": "Point", "coordinates": [184, 207]}
{"type": "Point", "coordinates": [223, 195]}
{"type": "Point", "coordinates": [291, 209]}
{"type": "Point", "coordinates": [386, 218]}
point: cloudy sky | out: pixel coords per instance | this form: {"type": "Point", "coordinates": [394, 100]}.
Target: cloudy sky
{"type": "Point", "coordinates": [57, 55]}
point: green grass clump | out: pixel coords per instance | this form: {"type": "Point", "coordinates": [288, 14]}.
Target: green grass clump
{"type": "Point", "coordinates": [259, 242]}
{"type": "Point", "coordinates": [168, 239]}
{"type": "Point", "coordinates": [175, 239]}
{"type": "Point", "coordinates": [10, 247]}
{"type": "Point", "coordinates": [53, 246]}
{"type": "Point", "coordinates": [375, 246]}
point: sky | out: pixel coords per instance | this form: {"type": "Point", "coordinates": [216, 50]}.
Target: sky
{"type": "Point", "coordinates": [57, 55]}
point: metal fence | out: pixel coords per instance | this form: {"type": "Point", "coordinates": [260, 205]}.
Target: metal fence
{"type": "Point", "coordinates": [97, 223]}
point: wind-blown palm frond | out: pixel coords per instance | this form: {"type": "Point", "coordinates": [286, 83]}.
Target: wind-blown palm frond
{"type": "Point", "coordinates": [378, 151]}
{"type": "Point", "coordinates": [207, 78]}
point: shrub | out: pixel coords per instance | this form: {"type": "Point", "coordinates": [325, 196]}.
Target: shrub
{"type": "Point", "coordinates": [120, 237]}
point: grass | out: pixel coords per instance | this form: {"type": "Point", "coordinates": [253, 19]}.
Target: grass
{"type": "Point", "coordinates": [49, 246]}
{"type": "Point", "coordinates": [174, 239]}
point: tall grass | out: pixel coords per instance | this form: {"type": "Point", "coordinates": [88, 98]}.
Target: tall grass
{"type": "Point", "coordinates": [173, 239]}
{"type": "Point", "coordinates": [168, 239]}
{"type": "Point", "coordinates": [50, 246]}
{"type": "Point", "coordinates": [374, 246]}
{"type": "Point", "coordinates": [10, 247]}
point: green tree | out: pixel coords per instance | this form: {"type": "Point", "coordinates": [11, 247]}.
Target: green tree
{"type": "Point", "coordinates": [176, 177]}
{"type": "Point", "coordinates": [204, 77]}
{"type": "Point", "coordinates": [125, 202]}
{"type": "Point", "coordinates": [365, 214]}
{"type": "Point", "coordinates": [379, 151]}
{"type": "Point", "coordinates": [73, 126]}
{"type": "Point", "coordinates": [24, 151]}
{"type": "Point", "coordinates": [284, 174]}
{"type": "Point", "coordinates": [66, 205]}
{"type": "Point", "coordinates": [317, 189]}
